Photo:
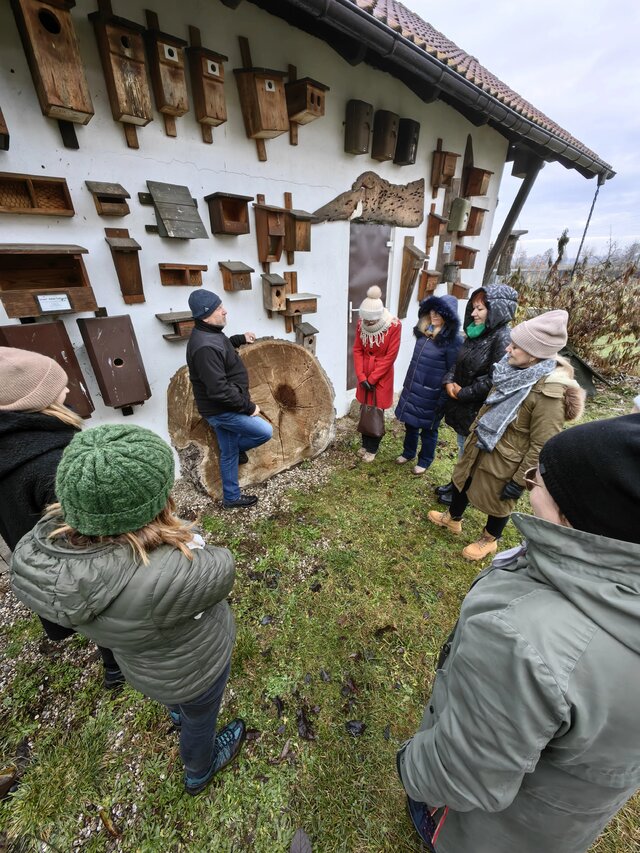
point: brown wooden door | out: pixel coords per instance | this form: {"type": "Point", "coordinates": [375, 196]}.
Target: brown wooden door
{"type": "Point", "coordinates": [368, 265]}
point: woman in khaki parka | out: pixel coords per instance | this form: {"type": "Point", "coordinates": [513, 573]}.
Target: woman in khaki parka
{"type": "Point", "coordinates": [534, 393]}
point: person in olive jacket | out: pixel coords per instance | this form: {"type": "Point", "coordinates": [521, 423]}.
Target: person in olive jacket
{"type": "Point", "coordinates": [487, 317]}
{"type": "Point", "coordinates": [114, 563]}
{"type": "Point", "coordinates": [529, 742]}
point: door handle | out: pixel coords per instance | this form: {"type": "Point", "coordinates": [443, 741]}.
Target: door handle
{"type": "Point", "coordinates": [351, 312]}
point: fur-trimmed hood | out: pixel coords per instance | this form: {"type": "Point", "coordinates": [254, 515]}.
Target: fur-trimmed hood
{"type": "Point", "coordinates": [574, 395]}
{"type": "Point", "coordinates": [447, 307]}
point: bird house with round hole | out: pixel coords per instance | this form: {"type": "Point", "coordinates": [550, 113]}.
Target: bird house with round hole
{"type": "Point", "coordinates": [274, 292]}
{"type": "Point", "coordinates": [167, 64]}
{"type": "Point", "coordinates": [52, 51]}
{"type": "Point", "coordinates": [206, 69]}
{"type": "Point", "coordinates": [122, 53]}
{"type": "Point", "coordinates": [263, 102]}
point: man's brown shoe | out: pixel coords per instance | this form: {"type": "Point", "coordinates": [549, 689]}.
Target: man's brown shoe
{"type": "Point", "coordinates": [486, 544]}
{"type": "Point", "coordinates": [443, 519]}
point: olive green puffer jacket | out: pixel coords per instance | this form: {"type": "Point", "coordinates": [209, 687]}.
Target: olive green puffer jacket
{"type": "Point", "coordinates": [168, 623]}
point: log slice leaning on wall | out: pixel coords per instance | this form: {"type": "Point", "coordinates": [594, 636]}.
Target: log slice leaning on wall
{"type": "Point", "coordinates": [294, 394]}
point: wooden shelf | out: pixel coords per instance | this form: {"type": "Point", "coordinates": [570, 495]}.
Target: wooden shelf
{"type": "Point", "coordinates": [35, 195]}
{"type": "Point", "coordinates": [186, 275]}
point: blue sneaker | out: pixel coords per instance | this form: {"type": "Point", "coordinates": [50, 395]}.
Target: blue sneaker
{"type": "Point", "coordinates": [227, 746]}
{"type": "Point", "coordinates": [176, 719]}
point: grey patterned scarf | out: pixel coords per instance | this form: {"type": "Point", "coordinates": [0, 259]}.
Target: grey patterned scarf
{"type": "Point", "coordinates": [510, 387]}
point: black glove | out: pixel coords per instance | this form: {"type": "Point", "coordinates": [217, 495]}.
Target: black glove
{"type": "Point", "coordinates": [511, 491]}
{"type": "Point", "coordinates": [367, 385]}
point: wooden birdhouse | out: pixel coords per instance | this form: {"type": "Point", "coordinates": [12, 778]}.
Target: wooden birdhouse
{"type": "Point", "coordinates": [476, 181]}
{"type": "Point", "coordinates": [263, 102]}
{"type": "Point", "coordinates": [176, 211]}
{"type": "Point", "coordinates": [466, 256]}
{"type": "Point", "coordinates": [306, 336]}
{"type": "Point", "coordinates": [460, 290]}
{"type": "Point", "coordinates": [182, 323]}
{"type": "Point", "coordinates": [459, 214]}
{"type": "Point", "coordinates": [443, 168]}
{"type": "Point", "coordinates": [274, 292]}
{"type": "Point", "coordinates": [427, 283]}
{"type": "Point", "coordinates": [407, 146]}
{"type": "Point", "coordinates": [116, 360]}
{"type": "Point", "coordinates": [436, 225]}
{"type": "Point", "coordinates": [51, 339]}
{"type": "Point", "coordinates": [412, 260]}
{"type": "Point", "coordinates": [229, 213]}
{"type": "Point", "coordinates": [305, 100]}
{"type": "Point", "coordinates": [385, 135]}
{"type": "Point", "coordinates": [300, 303]}
{"type": "Point", "coordinates": [166, 61]}
{"type": "Point", "coordinates": [297, 231]}
{"type": "Point", "coordinates": [124, 251]}
{"type": "Point", "coordinates": [269, 232]}
{"type": "Point", "coordinates": [109, 199]}
{"type": "Point", "coordinates": [122, 54]}
{"type": "Point", "coordinates": [357, 129]}
{"type": "Point", "coordinates": [51, 48]}
{"type": "Point", "coordinates": [235, 275]}
{"type": "Point", "coordinates": [451, 271]}
{"type": "Point", "coordinates": [37, 279]}
{"type": "Point", "coordinates": [206, 69]}
{"type": "Point", "coordinates": [475, 223]}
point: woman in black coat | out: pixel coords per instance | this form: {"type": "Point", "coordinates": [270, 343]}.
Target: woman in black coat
{"type": "Point", "coordinates": [35, 427]}
{"type": "Point", "coordinates": [486, 324]}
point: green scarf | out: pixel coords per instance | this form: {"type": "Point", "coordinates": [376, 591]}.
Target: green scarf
{"type": "Point", "coordinates": [474, 331]}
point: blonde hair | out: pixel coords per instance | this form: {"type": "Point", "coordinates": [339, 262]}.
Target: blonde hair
{"type": "Point", "coordinates": [57, 410]}
{"type": "Point", "coordinates": [165, 529]}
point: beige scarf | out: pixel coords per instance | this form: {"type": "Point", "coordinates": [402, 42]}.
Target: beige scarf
{"type": "Point", "coordinates": [374, 335]}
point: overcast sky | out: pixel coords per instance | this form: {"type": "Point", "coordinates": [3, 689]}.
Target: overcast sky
{"type": "Point", "coordinates": [579, 62]}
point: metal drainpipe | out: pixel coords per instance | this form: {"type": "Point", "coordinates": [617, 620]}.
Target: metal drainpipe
{"type": "Point", "coordinates": [509, 222]}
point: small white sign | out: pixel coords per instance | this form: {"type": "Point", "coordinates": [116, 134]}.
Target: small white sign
{"type": "Point", "coordinates": [54, 302]}
{"type": "Point", "coordinates": [447, 247]}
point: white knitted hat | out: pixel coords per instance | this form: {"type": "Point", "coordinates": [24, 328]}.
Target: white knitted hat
{"type": "Point", "coordinates": [372, 308]}
{"type": "Point", "coordinates": [29, 382]}
{"type": "Point", "coordinates": [542, 336]}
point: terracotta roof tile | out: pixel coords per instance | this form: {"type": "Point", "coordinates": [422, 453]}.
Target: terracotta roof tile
{"type": "Point", "coordinates": [427, 38]}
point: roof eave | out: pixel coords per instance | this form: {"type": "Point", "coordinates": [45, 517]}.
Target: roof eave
{"type": "Point", "coordinates": [422, 71]}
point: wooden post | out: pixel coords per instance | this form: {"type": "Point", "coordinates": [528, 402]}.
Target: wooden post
{"type": "Point", "coordinates": [510, 219]}
{"type": "Point", "coordinates": [293, 127]}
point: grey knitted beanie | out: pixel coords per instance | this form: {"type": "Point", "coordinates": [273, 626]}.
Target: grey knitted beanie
{"type": "Point", "coordinates": [29, 382]}
{"type": "Point", "coordinates": [114, 479]}
{"type": "Point", "coordinates": [542, 336]}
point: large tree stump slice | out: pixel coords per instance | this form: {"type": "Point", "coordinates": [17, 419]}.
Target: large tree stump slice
{"type": "Point", "coordinates": [294, 394]}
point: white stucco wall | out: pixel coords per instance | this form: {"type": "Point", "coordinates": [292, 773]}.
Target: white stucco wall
{"type": "Point", "coordinates": [315, 172]}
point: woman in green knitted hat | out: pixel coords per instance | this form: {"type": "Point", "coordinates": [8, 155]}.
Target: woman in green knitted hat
{"type": "Point", "coordinates": [113, 562]}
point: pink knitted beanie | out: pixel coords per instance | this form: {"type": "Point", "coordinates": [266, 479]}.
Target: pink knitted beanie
{"type": "Point", "coordinates": [542, 336]}
{"type": "Point", "coordinates": [29, 382]}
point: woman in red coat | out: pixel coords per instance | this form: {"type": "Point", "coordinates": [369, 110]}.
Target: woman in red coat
{"type": "Point", "coordinates": [374, 352]}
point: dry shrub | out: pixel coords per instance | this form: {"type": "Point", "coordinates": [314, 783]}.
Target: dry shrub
{"type": "Point", "coordinates": [603, 302]}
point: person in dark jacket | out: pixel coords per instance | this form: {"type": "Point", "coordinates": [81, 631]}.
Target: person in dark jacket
{"type": "Point", "coordinates": [113, 561]}
{"type": "Point", "coordinates": [35, 428]}
{"type": "Point", "coordinates": [529, 742]}
{"type": "Point", "coordinates": [486, 324]}
{"type": "Point", "coordinates": [221, 391]}
{"type": "Point", "coordinates": [422, 399]}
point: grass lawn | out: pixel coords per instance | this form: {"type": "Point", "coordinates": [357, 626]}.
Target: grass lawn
{"type": "Point", "coordinates": [343, 597]}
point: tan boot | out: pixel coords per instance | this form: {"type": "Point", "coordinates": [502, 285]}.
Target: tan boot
{"type": "Point", "coordinates": [486, 544]}
{"type": "Point", "coordinates": [368, 457]}
{"type": "Point", "coordinates": [443, 519]}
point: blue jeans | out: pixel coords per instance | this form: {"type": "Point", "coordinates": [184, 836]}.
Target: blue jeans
{"type": "Point", "coordinates": [461, 440]}
{"type": "Point", "coordinates": [428, 446]}
{"type": "Point", "coordinates": [236, 432]}
{"type": "Point", "coordinates": [198, 728]}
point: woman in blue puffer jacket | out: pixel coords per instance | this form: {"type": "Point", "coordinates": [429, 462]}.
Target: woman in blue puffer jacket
{"type": "Point", "coordinates": [422, 400]}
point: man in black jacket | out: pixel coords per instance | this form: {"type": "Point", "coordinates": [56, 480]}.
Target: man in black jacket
{"type": "Point", "coordinates": [221, 391]}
